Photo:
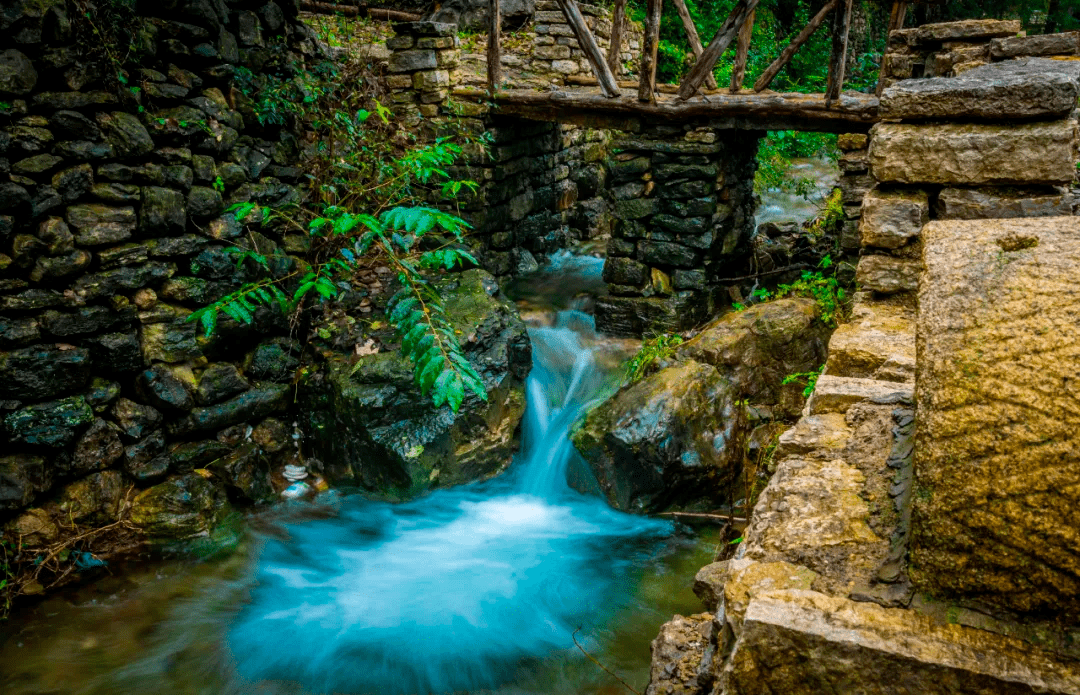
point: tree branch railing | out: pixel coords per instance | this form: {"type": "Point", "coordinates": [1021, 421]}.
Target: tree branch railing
{"type": "Point", "coordinates": [692, 37]}
{"type": "Point", "coordinates": [796, 43]}
{"type": "Point", "coordinates": [703, 66]}
{"type": "Point", "coordinates": [589, 46]}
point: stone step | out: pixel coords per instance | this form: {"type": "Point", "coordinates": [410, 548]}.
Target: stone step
{"type": "Point", "coordinates": [836, 394]}
{"type": "Point", "coordinates": [825, 434]}
{"type": "Point", "coordinates": [877, 343]}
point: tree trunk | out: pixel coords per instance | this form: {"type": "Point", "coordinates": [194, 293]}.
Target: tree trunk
{"type": "Point", "coordinates": [618, 22]}
{"type": "Point", "coordinates": [649, 46]}
{"type": "Point", "coordinates": [692, 37]}
{"type": "Point", "coordinates": [494, 49]}
{"type": "Point", "coordinates": [838, 59]}
{"type": "Point", "coordinates": [742, 52]}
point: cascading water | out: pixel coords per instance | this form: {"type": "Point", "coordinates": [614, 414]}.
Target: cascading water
{"type": "Point", "coordinates": [471, 589]}
{"type": "Point", "coordinates": [460, 589]}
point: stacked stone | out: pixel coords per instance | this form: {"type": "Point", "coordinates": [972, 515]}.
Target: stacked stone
{"type": "Point", "coordinates": [556, 49]}
{"type": "Point", "coordinates": [946, 50]}
{"type": "Point", "coordinates": [113, 225]}
{"type": "Point", "coordinates": [422, 69]}
{"type": "Point", "coordinates": [958, 162]}
{"type": "Point", "coordinates": [683, 211]}
{"type": "Point", "coordinates": [543, 188]}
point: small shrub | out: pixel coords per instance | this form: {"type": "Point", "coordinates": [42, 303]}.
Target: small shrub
{"type": "Point", "coordinates": [809, 379]}
{"type": "Point", "coordinates": [656, 349]}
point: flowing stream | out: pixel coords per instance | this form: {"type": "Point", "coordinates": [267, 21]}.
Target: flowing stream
{"type": "Point", "coordinates": [479, 588]}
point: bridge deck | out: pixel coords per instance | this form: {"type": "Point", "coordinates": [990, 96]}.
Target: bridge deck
{"type": "Point", "coordinates": [747, 110]}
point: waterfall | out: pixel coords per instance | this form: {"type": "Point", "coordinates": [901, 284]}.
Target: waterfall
{"type": "Point", "coordinates": [460, 590]}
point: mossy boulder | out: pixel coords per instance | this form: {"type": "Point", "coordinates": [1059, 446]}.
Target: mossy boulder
{"type": "Point", "coordinates": [182, 507]}
{"type": "Point", "coordinates": [369, 424]}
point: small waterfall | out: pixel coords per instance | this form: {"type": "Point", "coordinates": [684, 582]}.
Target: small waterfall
{"type": "Point", "coordinates": [460, 590]}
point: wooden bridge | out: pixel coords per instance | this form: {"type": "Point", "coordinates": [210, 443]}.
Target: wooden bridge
{"type": "Point", "coordinates": [697, 98]}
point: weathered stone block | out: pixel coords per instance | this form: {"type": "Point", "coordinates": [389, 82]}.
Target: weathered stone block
{"type": "Point", "coordinates": [893, 218]}
{"type": "Point", "coordinates": [887, 274]}
{"type": "Point", "coordinates": [973, 154]}
{"type": "Point", "coordinates": [1000, 203]}
{"type": "Point", "coordinates": [1014, 89]}
{"type": "Point", "coordinates": [806, 643]}
{"type": "Point", "coordinates": [97, 224]}
{"type": "Point", "coordinates": [966, 30]}
{"type": "Point", "coordinates": [997, 451]}
{"type": "Point", "coordinates": [411, 61]}
{"type": "Point", "coordinates": [1039, 45]}
{"type": "Point", "coordinates": [626, 271]}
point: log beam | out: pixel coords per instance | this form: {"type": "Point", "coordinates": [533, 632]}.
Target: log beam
{"type": "Point", "coordinates": [796, 43]}
{"type": "Point", "coordinates": [588, 44]}
{"type": "Point", "coordinates": [692, 36]}
{"type": "Point", "coordinates": [896, 22]}
{"type": "Point", "coordinates": [494, 48]}
{"type": "Point", "coordinates": [742, 52]}
{"type": "Point", "coordinates": [618, 22]}
{"type": "Point", "coordinates": [703, 66]}
{"type": "Point", "coordinates": [649, 45]}
{"type": "Point", "coordinates": [838, 60]}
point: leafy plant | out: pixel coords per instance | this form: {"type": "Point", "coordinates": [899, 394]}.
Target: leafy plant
{"type": "Point", "coordinates": [809, 379]}
{"type": "Point", "coordinates": [823, 289]}
{"type": "Point", "coordinates": [656, 349]}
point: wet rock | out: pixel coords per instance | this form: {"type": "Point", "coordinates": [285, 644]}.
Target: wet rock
{"type": "Point", "coordinates": [94, 500]}
{"type": "Point", "coordinates": [218, 382]}
{"type": "Point", "coordinates": [72, 125]}
{"type": "Point", "coordinates": [127, 136]}
{"type": "Point", "coordinates": [22, 477]}
{"type": "Point", "coordinates": [102, 393]}
{"type": "Point", "coordinates": [74, 182]}
{"type": "Point", "coordinates": [673, 437]}
{"type": "Point", "coordinates": [974, 154]}
{"type": "Point", "coordinates": [683, 656]}
{"type": "Point", "coordinates": [18, 332]}
{"type": "Point", "coordinates": [91, 319]}
{"type": "Point", "coordinates": [187, 456]}
{"type": "Point", "coordinates": [17, 73]}
{"type": "Point", "coordinates": [169, 341]}
{"type": "Point", "coordinates": [709, 584]}
{"type": "Point", "coordinates": [258, 402]}
{"type": "Point", "coordinates": [370, 426]}
{"type": "Point", "coordinates": [163, 212]}
{"type": "Point", "coordinates": [53, 424]}
{"type": "Point", "coordinates": [275, 360]}
{"type": "Point", "coordinates": [625, 271]}
{"type": "Point", "coordinates": [204, 203]}
{"type": "Point", "coordinates": [145, 460]}
{"type": "Point", "coordinates": [181, 507]}
{"type": "Point", "coordinates": [34, 527]}
{"type": "Point", "coordinates": [96, 224]}
{"type": "Point", "coordinates": [271, 435]}
{"type": "Point", "coordinates": [40, 372]}
{"type": "Point", "coordinates": [246, 473]}
{"type": "Point", "coordinates": [111, 282]}
{"type": "Point", "coordinates": [136, 420]}
{"type": "Point", "coordinates": [159, 387]}
{"type": "Point", "coordinates": [98, 448]}
{"type": "Point", "coordinates": [116, 353]}
{"type": "Point", "coordinates": [61, 266]}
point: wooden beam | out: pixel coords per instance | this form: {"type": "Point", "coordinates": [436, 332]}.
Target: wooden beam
{"type": "Point", "coordinates": [588, 44]}
{"type": "Point", "coordinates": [703, 66]}
{"type": "Point", "coordinates": [649, 45]}
{"type": "Point", "coordinates": [796, 43]}
{"type": "Point", "coordinates": [742, 51]}
{"type": "Point", "coordinates": [494, 48]}
{"type": "Point", "coordinates": [769, 111]}
{"type": "Point", "coordinates": [896, 22]}
{"type": "Point", "coordinates": [838, 60]}
{"type": "Point", "coordinates": [618, 22]}
{"type": "Point", "coordinates": [692, 36]}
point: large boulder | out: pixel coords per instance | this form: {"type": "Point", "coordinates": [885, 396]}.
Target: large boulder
{"type": "Point", "coordinates": [369, 424]}
{"type": "Point", "coordinates": [678, 437]}
{"type": "Point", "coordinates": [182, 507]}
{"type": "Point", "coordinates": [997, 499]}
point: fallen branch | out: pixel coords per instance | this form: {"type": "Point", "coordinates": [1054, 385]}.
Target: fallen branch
{"type": "Point", "coordinates": [593, 659]}
{"type": "Point", "coordinates": [797, 266]}
{"type": "Point", "coordinates": [329, 8]}
{"type": "Point", "coordinates": [392, 15]}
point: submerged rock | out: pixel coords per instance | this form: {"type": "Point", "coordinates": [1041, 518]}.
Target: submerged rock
{"type": "Point", "coordinates": [370, 425]}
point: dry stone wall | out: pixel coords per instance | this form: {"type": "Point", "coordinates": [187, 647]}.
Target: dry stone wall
{"type": "Point", "coordinates": [111, 217]}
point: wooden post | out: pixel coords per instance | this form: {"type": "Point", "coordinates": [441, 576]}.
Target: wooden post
{"type": "Point", "coordinates": [618, 21]}
{"type": "Point", "coordinates": [649, 46]}
{"type": "Point", "coordinates": [692, 37]}
{"type": "Point", "coordinates": [588, 44]}
{"type": "Point", "coordinates": [494, 49]}
{"type": "Point", "coordinates": [838, 59]}
{"type": "Point", "coordinates": [896, 22]}
{"type": "Point", "coordinates": [796, 43]}
{"type": "Point", "coordinates": [742, 51]}
{"type": "Point", "coordinates": [703, 66]}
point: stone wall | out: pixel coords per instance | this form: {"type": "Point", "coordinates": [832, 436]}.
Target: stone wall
{"type": "Point", "coordinates": [683, 212]}
{"type": "Point", "coordinates": [111, 216]}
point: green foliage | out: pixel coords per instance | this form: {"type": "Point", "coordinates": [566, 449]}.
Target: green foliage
{"type": "Point", "coordinates": [831, 218]}
{"type": "Point", "coordinates": [656, 349]}
{"type": "Point", "coordinates": [822, 288]}
{"type": "Point", "coordinates": [809, 379]}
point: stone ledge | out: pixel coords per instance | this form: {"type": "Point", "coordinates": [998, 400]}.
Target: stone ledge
{"type": "Point", "coordinates": [836, 394]}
